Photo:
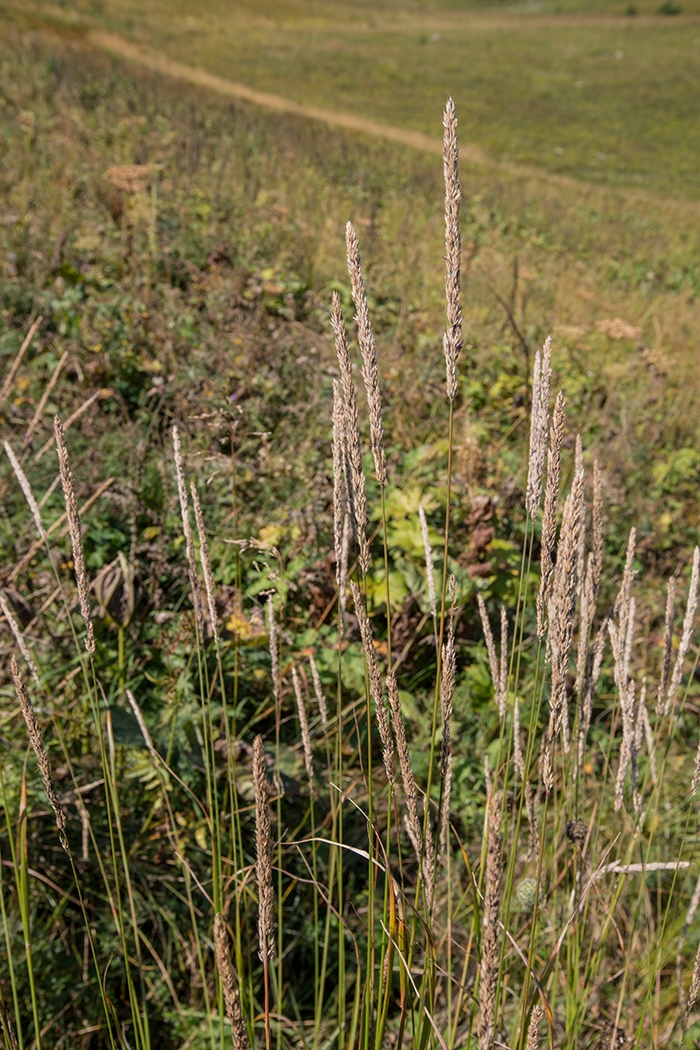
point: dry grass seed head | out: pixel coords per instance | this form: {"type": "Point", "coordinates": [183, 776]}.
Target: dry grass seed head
{"type": "Point", "coordinates": [42, 758]}
{"type": "Point", "coordinates": [687, 632]}
{"type": "Point", "coordinates": [187, 531]}
{"type": "Point", "coordinates": [533, 1031]}
{"type": "Point", "coordinates": [26, 490]}
{"type": "Point", "coordinates": [318, 690]}
{"type": "Point", "coordinates": [549, 513]}
{"type": "Point", "coordinates": [19, 638]}
{"type": "Point", "coordinates": [304, 726]}
{"type": "Point", "coordinates": [429, 567]}
{"type": "Point", "coordinates": [452, 340]}
{"type": "Point", "coordinates": [368, 350]}
{"type": "Point", "coordinates": [668, 645]}
{"type": "Point", "coordinates": [539, 423]}
{"type": "Point", "coordinates": [354, 474]}
{"type": "Point", "coordinates": [206, 565]}
{"type": "Point", "coordinates": [490, 933]}
{"type": "Point", "coordinates": [263, 851]}
{"type": "Point", "coordinates": [229, 985]}
{"type": "Point", "coordinates": [375, 682]}
{"type": "Point", "coordinates": [81, 574]}
{"type": "Point", "coordinates": [274, 660]}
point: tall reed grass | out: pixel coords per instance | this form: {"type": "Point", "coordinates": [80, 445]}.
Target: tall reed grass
{"type": "Point", "coordinates": [359, 909]}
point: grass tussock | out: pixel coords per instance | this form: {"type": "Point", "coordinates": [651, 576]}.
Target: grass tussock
{"type": "Point", "coordinates": [283, 818]}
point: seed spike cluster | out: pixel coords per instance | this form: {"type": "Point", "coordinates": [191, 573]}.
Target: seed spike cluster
{"type": "Point", "coordinates": [354, 473]}
{"type": "Point", "coordinates": [318, 690]}
{"type": "Point", "coordinates": [490, 936]}
{"type": "Point", "coordinates": [229, 985]}
{"type": "Point", "coordinates": [42, 758]}
{"type": "Point", "coordinates": [304, 726]}
{"type": "Point", "coordinates": [686, 634]}
{"type": "Point", "coordinates": [26, 490]}
{"type": "Point", "coordinates": [539, 424]}
{"type": "Point", "coordinates": [549, 513]}
{"type": "Point", "coordinates": [452, 339]}
{"type": "Point", "coordinates": [263, 851]}
{"type": "Point", "coordinates": [368, 350]}
{"type": "Point", "coordinates": [81, 574]}
{"type": "Point", "coordinates": [375, 682]}
{"type": "Point", "coordinates": [187, 531]}
{"type": "Point", "coordinates": [19, 638]}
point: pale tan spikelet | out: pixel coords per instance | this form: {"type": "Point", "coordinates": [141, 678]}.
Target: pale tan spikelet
{"type": "Point", "coordinates": [355, 476]}
{"type": "Point", "coordinates": [692, 908]}
{"type": "Point", "coordinates": [345, 555]}
{"type": "Point", "coordinates": [338, 433]}
{"type": "Point", "coordinates": [686, 634]}
{"type": "Point", "coordinates": [48, 390]}
{"type": "Point", "coordinates": [407, 775]}
{"type": "Point", "coordinates": [365, 338]}
{"type": "Point", "coordinates": [274, 659]}
{"type": "Point", "coordinates": [447, 689]}
{"type": "Point", "coordinates": [596, 555]}
{"type": "Point", "coordinates": [533, 824]}
{"type": "Point", "coordinates": [318, 690]}
{"type": "Point", "coordinates": [503, 670]}
{"type": "Point", "coordinates": [304, 726]}
{"type": "Point", "coordinates": [428, 861]}
{"type": "Point", "coordinates": [491, 650]}
{"type": "Point", "coordinates": [206, 566]}
{"type": "Point", "coordinates": [42, 759]}
{"type": "Point", "coordinates": [539, 424]}
{"type": "Point", "coordinates": [622, 601]}
{"type": "Point", "coordinates": [263, 851]}
{"type": "Point", "coordinates": [446, 796]}
{"type": "Point", "coordinates": [668, 645]}
{"type": "Point", "coordinates": [14, 368]}
{"type": "Point", "coordinates": [589, 688]}
{"type": "Point", "coordinates": [487, 776]}
{"type": "Point", "coordinates": [375, 682]}
{"type": "Point", "coordinates": [490, 935]}
{"type": "Point", "coordinates": [81, 574]}
{"type": "Point", "coordinates": [518, 759]}
{"type": "Point", "coordinates": [637, 736]}
{"type": "Point", "coordinates": [229, 985]}
{"type": "Point", "coordinates": [72, 418]}
{"type": "Point", "coordinates": [549, 513]}
{"type": "Point", "coordinates": [19, 638]}
{"type": "Point", "coordinates": [562, 605]}
{"type": "Point", "coordinates": [533, 1031]}
{"type": "Point", "coordinates": [581, 552]}
{"type": "Point", "coordinates": [626, 690]}
{"type": "Point", "coordinates": [548, 762]}
{"type": "Point", "coordinates": [26, 490]}
{"type": "Point", "coordinates": [429, 567]}
{"type": "Point", "coordinates": [452, 339]}
{"type": "Point", "coordinates": [187, 531]}
{"type": "Point", "coordinates": [583, 630]}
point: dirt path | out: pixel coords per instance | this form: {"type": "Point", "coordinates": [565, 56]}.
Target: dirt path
{"type": "Point", "coordinates": [159, 62]}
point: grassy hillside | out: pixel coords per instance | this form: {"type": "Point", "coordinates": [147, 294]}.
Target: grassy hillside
{"type": "Point", "coordinates": [195, 289]}
{"type": "Point", "coordinates": [577, 89]}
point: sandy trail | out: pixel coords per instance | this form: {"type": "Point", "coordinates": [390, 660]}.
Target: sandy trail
{"type": "Point", "coordinates": [159, 62]}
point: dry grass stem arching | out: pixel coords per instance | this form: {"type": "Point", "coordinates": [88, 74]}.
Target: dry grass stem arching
{"type": "Point", "coordinates": [187, 532]}
{"type": "Point", "coordinates": [365, 337]}
{"type": "Point", "coordinates": [549, 513]}
{"type": "Point", "coordinates": [452, 340]}
{"type": "Point", "coordinates": [26, 490]}
{"type": "Point", "coordinates": [80, 569]}
{"type": "Point", "coordinates": [304, 726]}
{"type": "Point", "coordinates": [355, 475]}
{"type": "Point", "coordinates": [14, 369]}
{"type": "Point", "coordinates": [533, 1031]}
{"type": "Point", "coordinates": [206, 566]}
{"type": "Point", "coordinates": [490, 936]}
{"type": "Point", "coordinates": [539, 425]}
{"type": "Point", "coordinates": [19, 638]}
{"type": "Point", "coordinates": [48, 390]}
{"type": "Point", "coordinates": [229, 985]}
{"type": "Point", "coordinates": [42, 759]}
{"type": "Point", "coordinates": [687, 633]}
{"type": "Point", "coordinates": [263, 851]}
{"type": "Point", "coordinates": [429, 567]}
{"type": "Point", "coordinates": [318, 690]}
{"type": "Point", "coordinates": [375, 682]}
